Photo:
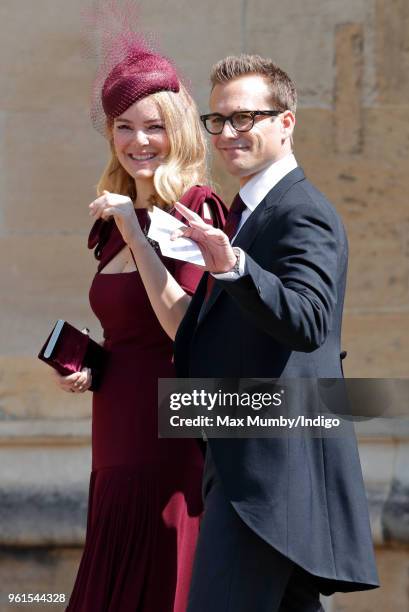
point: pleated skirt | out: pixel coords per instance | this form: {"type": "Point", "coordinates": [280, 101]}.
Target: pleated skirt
{"type": "Point", "coordinates": [142, 530]}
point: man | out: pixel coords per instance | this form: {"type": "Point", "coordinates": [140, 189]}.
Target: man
{"type": "Point", "coordinates": [285, 518]}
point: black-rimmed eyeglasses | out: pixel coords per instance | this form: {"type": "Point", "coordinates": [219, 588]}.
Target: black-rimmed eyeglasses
{"type": "Point", "coordinates": [241, 121]}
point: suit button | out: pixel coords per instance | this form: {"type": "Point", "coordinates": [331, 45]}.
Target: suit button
{"type": "Point", "coordinates": [259, 289]}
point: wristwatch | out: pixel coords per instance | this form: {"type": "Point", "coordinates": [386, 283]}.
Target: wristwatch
{"type": "Point", "coordinates": [236, 267]}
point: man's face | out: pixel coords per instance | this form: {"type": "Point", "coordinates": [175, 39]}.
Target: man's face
{"type": "Point", "coordinates": [246, 153]}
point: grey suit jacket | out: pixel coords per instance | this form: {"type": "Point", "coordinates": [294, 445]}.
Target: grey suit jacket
{"type": "Point", "coordinates": [303, 495]}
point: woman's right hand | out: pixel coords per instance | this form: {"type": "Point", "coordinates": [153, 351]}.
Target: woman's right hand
{"type": "Point", "coordinates": [79, 382]}
{"type": "Point", "coordinates": [121, 208]}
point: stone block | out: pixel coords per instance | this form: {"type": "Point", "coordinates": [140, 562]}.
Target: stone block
{"type": "Point", "coordinates": [52, 161]}
{"type": "Point", "coordinates": [200, 35]}
{"type": "Point", "coordinates": [28, 390]}
{"type": "Point", "coordinates": [396, 513]}
{"type": "Point", "coordinates": [393, 568]}
{"type": "Point", "coordinates": [377, 344]}
{"type": "Point", "coordinates": [370, 196]}
{"type": "Point", "coordinates": [392, 53]}
{"type": "Point", "coordinates": [301, 39]}
{"type": "Point", "coordinates": [42, 67]}
{"type": "Point", "coordinates": [44, 278]}
{"type": "Point", "coordinates": [37, 570]}
{"type": "Point", "coordinates": [377, 461]}
{"type": "Point", "coordinates": [313, 137]}
{"type": "Point", "coordinates": [44, 494]}
{"type": "Point", "coordinates": [378, 275]}
{"type": "Point", "coordinates": [386, 130]}
{"type": "Point", "coordinates": [361, 189]}
{"type": "Point", "coordinates": [348, 132]}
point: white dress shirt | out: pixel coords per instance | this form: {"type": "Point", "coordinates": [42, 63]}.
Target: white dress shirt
{"type": "Point", "coordinates": [252, 194]}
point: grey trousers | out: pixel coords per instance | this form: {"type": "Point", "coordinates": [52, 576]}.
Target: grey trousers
{"type": "Point", "coordinates": [236, 571]}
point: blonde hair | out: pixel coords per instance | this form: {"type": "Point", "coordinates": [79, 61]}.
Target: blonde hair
{"type": "Point", "coordinates": [185, 165]}
{"type": "Point", "coordinates": [282, 88]}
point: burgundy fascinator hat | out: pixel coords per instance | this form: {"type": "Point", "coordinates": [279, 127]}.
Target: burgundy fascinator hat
{"type": "Point", "coordinates": [140, 74]}
{"type": "Point", "coordinates": [129, 66]}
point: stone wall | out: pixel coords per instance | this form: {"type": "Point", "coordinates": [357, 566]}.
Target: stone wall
{"type": "Point", "coordinates": [350, 61]}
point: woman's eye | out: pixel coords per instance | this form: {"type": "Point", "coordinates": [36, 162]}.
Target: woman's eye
{"type": "Point", "coordinates": [157, 126]}
{"type": "Point", "coordinates": [123, 126]}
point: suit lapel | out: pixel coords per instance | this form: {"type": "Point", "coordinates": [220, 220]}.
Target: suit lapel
{"type": "Point", "coordinates": [244, 239]}
{"type": "Point", "coordinates": [251, 228]}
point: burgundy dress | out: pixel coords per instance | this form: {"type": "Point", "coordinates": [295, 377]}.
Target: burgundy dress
{"type": "Point", "coordinates": [145, 493]}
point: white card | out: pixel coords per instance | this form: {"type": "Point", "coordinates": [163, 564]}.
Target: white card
{"type": "Point", "coordinates": [162, 227]}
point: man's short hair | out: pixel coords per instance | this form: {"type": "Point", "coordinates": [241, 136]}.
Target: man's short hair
{"type": "Point", "coordinates": [283, 91]}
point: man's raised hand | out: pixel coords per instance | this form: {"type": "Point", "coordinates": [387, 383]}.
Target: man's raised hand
{"type": "Point", "coordinates": [214, 245]}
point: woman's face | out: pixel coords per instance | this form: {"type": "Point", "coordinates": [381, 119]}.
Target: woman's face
{"type": "Point", "coordinates": [140, 139]}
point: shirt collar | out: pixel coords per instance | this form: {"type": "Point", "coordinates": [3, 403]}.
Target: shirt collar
{"type": "Point", "coordinates": [256, 189]}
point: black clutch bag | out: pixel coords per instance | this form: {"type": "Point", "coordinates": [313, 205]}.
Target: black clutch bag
{"type": "Point", "coordinates": [68, 350]}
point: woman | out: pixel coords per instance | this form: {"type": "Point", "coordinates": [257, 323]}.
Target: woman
{"type": "Point", "coordinates": [145, 499]}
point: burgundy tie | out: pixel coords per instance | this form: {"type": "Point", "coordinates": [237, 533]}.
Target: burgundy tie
{"type": "Point", "coordinates": [234, 216]}
{"type": "Point", "coordinates": [230, 229]}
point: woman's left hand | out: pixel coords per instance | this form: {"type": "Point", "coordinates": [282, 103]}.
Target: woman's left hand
{"type": "Point", "coordinates": [121, 208]}
{"type": "Point", "coordinates": [78, 382]}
